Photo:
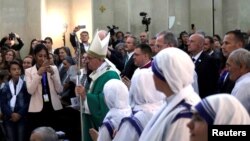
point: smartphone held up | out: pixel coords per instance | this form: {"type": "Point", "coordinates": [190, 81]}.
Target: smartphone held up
{"type": "Point", "coordinates": [81, 26]}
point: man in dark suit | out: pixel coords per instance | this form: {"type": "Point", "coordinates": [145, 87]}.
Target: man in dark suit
{"type": "Point", "coordinates": [232, 40]}
{"type": "Point", "coordinates": [129, 66]}
{"type": "Point", "coordinates": [84, 37]}
{"type": "Point", "coordinates": [205, 66]}
{"type": "Point", "coordinates": [215, 54]}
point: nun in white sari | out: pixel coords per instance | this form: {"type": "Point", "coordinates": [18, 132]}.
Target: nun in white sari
{"type": "Point", "coordinates": [219, 109]}
{"type": "Point", "coordinates": [173, 75]}
{"type": "Point", "coordinates": [145, 101]}
{"type": "Point", "coordinates": [117, 99]}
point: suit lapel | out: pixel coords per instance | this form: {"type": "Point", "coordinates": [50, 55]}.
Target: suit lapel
{"type": "Point", "coordinates": [131, 60]}
{"type": "Point", "coordinates": [200, 60]}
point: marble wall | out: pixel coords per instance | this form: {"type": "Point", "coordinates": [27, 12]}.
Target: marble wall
{"type": "Point", "coordinates": [217, 18]}
{"type": "Point", "coordinates": [22, 17]}
{"type": "Point", "coordinates": [41, 18]}
{"type": "Point", "coordinates": [61, 16]}
{"type": "Point", "coordinates": [201, 15]}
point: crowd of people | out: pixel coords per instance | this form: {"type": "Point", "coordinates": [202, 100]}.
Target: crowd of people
{"type": "Point", "coordinates": [129, 88]}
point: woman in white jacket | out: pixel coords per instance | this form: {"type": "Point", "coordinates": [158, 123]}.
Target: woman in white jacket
{"type": "Point", "coordinates": [44, 85]}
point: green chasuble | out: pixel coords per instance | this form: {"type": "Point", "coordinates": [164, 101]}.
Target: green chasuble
{"type": "Point", "coordinates": [96, 104]}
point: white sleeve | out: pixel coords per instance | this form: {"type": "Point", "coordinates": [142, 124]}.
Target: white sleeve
{"type": "Point", "coordinates": [126, 133]}
{"type": "Point", "coordinates": [243, 95]}
{"type": "Point", "coordinates": [86, 107]}
{"type": "Point", "coordinates": [56, 80]}
{"type": "Point", "coordinates": [103, 134]}
{"type": "Point", "coordinates": [178, 131]}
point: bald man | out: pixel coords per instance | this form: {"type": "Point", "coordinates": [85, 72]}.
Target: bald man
{"type": "Point", "coordinates": [144, 38]}
{"type": "Point", "coordinates": [205, 66]}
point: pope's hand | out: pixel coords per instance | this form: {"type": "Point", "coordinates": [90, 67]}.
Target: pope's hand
{"type": "Point", "coordinates": [80, 90]}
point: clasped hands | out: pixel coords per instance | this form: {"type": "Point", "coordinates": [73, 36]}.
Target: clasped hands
{"type": "Point", "coordinates": [15, 117]}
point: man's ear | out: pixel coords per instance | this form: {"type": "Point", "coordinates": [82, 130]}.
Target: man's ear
{"type": "Point", "coordinates": [243, 68]}
{"type": "Point", "coordinates": [239, 44]}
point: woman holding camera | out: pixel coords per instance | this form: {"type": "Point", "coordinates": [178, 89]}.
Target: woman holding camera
{"type": "Point", "coordinates": [44, 85]}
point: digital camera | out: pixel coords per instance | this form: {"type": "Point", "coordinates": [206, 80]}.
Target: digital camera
{"type": "Point", "coordinates": [12, 36]}
{"type": "Point", "coordinates": [82, 26]}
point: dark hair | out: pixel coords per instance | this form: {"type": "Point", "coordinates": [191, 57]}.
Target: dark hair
{"type": "Point", "coordinates": [70, 60]}
{"type": "Point", "coordinates": [145, 48]}
{"type": "Point", "coordinates": [31, 52]}
{"type": "Point", "coordinates": [2, 52]}
{"type": "Point", "coordinates": [238, 36]}
{"type": "Point", "coordinates": [15, 62]}
{"type": "Point", "coordinates": [56, 51]}
{"type": "Point", "coordinates": [85, 32]}
{"type": "Point", "coordinates": [12, 36]}
{"type": "Point", "coordinates": [218, 37]}
{"type": "Point", "coordinates": [211, 40]}
{"type": "Point", "coordinates": [40, 47]}
{"type": "Point", "coordinates": [11, 50]}
{"type": "Point", "coordinates": [66, 49]}
{"type": "Point", "coordinates": [183, 33]}
{"type": "Point", "coordinates": [3, 74]}
{"type": "Point", "coordinates": [116, 34]}
{"type": "Point", "coordinates": [51, 54]}
{"type": "Point", "coordinates": [49, 38]}
{"type": "Point", "coordinates": [32, 58]}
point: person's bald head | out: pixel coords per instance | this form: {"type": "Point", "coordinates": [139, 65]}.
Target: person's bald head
{"type": "Point", "coordinates": [44, 134]}
{"type": "Point", "coordinates": [144, 37]}
{"type": "Point", "coordinates": [196, 43]}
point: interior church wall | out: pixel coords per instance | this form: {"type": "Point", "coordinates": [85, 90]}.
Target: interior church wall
{"type": "Point", "coordinates": [41, 18]}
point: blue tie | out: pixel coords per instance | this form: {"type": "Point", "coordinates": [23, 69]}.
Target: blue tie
{"type": "Point", "coordinates": [223, 76]}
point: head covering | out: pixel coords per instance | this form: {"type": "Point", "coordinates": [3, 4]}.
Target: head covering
{"type": "Point", "coordinates": [175, 67]}
{"type": "Point", "coordinates": [222, 109]}
{"type": "Point", "coordinates": [117, 99]}
{"type": "Point", "coordinates": [177, 70]}
{"type": "Point", "coordinates": [143, 94]}
{"type": "Point", "coordinates": [98, 47]}
{"type": "Point", "coordinates": [70, 60]}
